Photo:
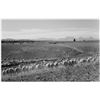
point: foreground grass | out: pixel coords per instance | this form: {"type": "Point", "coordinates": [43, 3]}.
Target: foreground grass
{"type": "Point", "coordinates": [79, 72]}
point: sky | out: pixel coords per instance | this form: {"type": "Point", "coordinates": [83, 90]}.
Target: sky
{"type": "Point", "coordinates": [50, 29]}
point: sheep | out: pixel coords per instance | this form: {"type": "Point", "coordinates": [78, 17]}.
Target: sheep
{"type": "Point", "coordinates": [65, 63]}
{"type": "Point", "coordinates": [82, 60]}
{"type": "Point", "coordinates": [89, 59]}
{"type": "Point", "coordinates": [19, 66]}
{"type": "Point", "coordinates": [30, 67]}
{"type": "Point", "coordinates": [37, 65]}
{"type": "Point", "coordinates": [74, 60]}
{"type": "Point", "coordinates": [52, 64]}
{"type": "Point", "coordinates": [11, 70]}
{"type": "Point", "coordinates": [24, 68]}
{"type": "Point", "coordinates": [7, 71]}
{"type": "Point", "coordinates": [17, 69]}
{"type": "Point", "coordinates": [44, 61]}
{"type": "Point", "coordinates": [46, 64]}
{"type": "Point", "coordinates": [56, 64]}
{"type": "Point", "coordinates": [4, 71]}
{"type": "Point", "coordinates": [60, 65]}
{"type": "Point", "coordinates": [70, 62]}
{"type": "Point", "coordinates": [93, 59]}
{"type": "Point", "coordinates": [40, 66]}
{"type": "Point", "coordinates": [27, 67]}
{"type": "Point", "coordinates": [33, 66]}
{"type": "Point", "coordinates": [49, 65]}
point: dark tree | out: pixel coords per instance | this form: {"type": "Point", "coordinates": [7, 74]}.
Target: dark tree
{"type": "Point", "coordinates": [74, 40]}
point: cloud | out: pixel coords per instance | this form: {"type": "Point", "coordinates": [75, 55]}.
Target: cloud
{"type": "Point", "coordinates": [50, 33]}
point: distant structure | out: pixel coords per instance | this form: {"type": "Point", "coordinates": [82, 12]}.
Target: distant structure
{"type": "Point", "coordinates": [74, 40]}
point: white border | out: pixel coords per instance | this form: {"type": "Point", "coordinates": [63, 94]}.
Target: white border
{"type": "Point", "coordinates": [49, 9]}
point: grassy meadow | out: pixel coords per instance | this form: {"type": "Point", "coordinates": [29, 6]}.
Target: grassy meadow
{"type": "Point", "coordinates": [50, 61]}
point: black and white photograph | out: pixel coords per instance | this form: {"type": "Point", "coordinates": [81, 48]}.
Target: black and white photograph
{"type": "Point", "coordinates": [50, 50]}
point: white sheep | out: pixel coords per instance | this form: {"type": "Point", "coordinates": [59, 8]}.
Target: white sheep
{"type": "Point", "coordinates": [82, 60]}
{"type": "Point", "coordinates": [30, 67]}
{"type": "Point", "coordinates": [65, 63]}
{"type": "Point", "coordinates": [89, 59]}
{"type": "Point", "coordinates": [17, 69]}
{"type": "Point", "coordinates": [56, 63]}
{"type": "Point", "coordinates": [11, 70]}
{"type": "Point", "coordinates": [37, 66]}
{"type": "Point", "coordinates": [4, 71]}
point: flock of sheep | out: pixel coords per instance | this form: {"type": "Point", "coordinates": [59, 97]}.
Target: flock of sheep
{"type": "Point", "coordinates": [52, 63]}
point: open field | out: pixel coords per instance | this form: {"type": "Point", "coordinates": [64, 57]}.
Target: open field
{"type": "Point", "coordinates": [50, 61]}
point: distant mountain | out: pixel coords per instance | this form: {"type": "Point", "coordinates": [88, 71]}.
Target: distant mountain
{"type": "Point", "coordinates": [87, 39]}
{"type": "Point", "coordinates": [69, 38]}
{"type": "Point", "coordinates": [8, 39]}
{"type": "Point", "coordinates": [78, 39]}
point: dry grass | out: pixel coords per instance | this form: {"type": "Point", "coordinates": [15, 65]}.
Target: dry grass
{"type": "Point", "coordinates": [85, 71]}
{"type": "Point", "coordinates": [78, 72]}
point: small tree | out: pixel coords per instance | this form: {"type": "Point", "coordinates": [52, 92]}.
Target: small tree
{"type": "Point", "coordinates": [74, 40]}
